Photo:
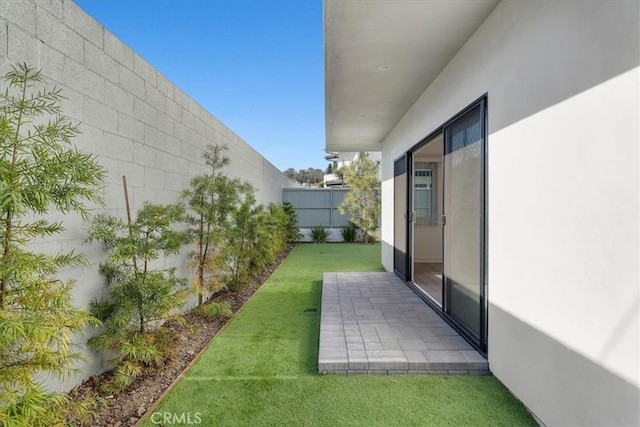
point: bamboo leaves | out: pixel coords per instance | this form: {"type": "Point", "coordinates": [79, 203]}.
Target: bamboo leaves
{"type": "Point", "coordinates": [40, 171]}
{"type": "Point", "coordinates": [142, 293]}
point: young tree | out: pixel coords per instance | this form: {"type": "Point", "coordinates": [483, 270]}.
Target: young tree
{"type": "Point", "coordinates": [40, 170]}
{"type": "Point", "coordinates": [211, 198]}
{"type": "Point", "coordinates": [362, 203]}
{"type": "Point", "coordinates": [141, 293]}
{"type": "Point", "coordinates": [239, 248]}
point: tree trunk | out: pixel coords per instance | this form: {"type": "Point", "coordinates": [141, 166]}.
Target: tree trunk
{"type": "Point", "coordinates": [201, 281]}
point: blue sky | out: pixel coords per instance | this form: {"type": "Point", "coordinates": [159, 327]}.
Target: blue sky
{"type": "Point", "coordinates": [256, 65]}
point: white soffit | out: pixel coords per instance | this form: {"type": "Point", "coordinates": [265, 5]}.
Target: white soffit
{"type": "Point", "coordinates": [380, 56]}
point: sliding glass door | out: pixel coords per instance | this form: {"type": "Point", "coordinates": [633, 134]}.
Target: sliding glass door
{"type": "Point", "coordinates": [463, 251]}
{"type": "Point", "coordinates": [439, 221]}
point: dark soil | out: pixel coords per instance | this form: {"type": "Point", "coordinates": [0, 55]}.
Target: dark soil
{"type": "Point", "coordinates": [128, 407]}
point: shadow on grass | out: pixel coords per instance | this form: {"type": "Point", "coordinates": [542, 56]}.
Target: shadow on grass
{"type": "Point", "coordinates": [311, 333]}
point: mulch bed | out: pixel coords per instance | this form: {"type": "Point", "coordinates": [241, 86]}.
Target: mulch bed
{"type": "Point", "coordinates": [128, 407]}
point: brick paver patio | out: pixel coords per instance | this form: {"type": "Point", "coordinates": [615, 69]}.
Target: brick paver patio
{"type": "Point", "coordinates": [372, 323]}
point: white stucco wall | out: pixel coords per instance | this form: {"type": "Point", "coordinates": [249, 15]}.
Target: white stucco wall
{"type": "Point", "coordinates": [136, 121]}
{"type": "Point", "coordinates": [563, 87]}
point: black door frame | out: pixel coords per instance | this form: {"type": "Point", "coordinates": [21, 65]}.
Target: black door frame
{"type": "Point", "coordinates": [402, 259]}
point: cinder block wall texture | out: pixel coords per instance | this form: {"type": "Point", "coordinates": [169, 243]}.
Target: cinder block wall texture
{"type": "Point", "coordinates": [137, 122]}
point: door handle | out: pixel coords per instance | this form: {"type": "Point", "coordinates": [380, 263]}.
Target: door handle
{"type": "Point", "coordinates": [444, 219]}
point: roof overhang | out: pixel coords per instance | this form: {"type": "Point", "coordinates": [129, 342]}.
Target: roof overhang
{"type": "Point", "coordinates": [381, 55]}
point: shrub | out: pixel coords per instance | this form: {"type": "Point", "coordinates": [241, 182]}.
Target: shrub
{"type": "Point", "coordinates": [318, 234]}
{"type": "Point", "coordinates": [214, 310]}
{"type": "Point", "coordinates": [350, 233]}
{"type": "Point", "coordinates": [271, 236]}
{"type": "Point", "coordinates": [136, 351]}
{"type": "Point", "coordinates": [255, 236]}
{"type": "Point", "coordinates": [293, 233]}
{"type": "Point", "coordinates": [141, 296]}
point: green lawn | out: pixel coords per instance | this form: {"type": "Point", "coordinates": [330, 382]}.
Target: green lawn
{"type": "Point", "coordinates": [262, 369]}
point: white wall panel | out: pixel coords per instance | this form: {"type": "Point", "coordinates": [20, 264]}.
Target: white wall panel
{"type": "Point", "coordinates": [563, 88]}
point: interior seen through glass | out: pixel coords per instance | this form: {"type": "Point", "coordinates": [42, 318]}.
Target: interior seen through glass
{"type": "Point", "coordinates": [427, 224]}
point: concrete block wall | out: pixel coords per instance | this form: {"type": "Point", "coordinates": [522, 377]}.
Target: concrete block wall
{"type": "Point", "coordinates": [131, 117]}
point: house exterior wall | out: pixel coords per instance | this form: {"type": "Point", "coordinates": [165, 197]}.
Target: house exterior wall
{"type": "Point", "coordinates": [136, 121]}
{"type": "Point", "coordinates": [563, 201]}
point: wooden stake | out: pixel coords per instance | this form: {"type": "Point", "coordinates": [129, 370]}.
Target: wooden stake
{"type": "Point", "coordinates": [126, 201]}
